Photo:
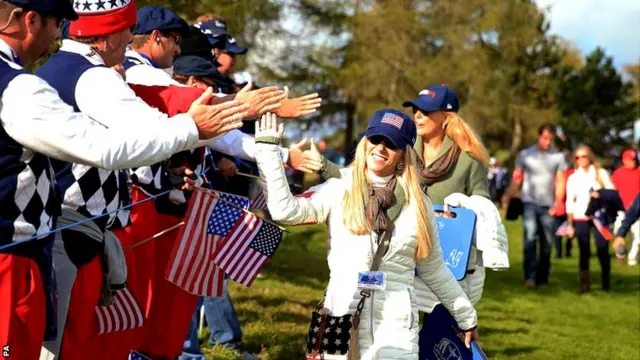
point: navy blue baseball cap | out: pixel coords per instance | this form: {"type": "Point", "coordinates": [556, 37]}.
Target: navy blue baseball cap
{"type": "Point", "coordinates": [394, 125]}
{"type": "Point", "coordinates": [219, 37]}
{"type": "Point", "coordinates": [434, 98]}
{"type": "Point", "coordinates": [232, 47]}
{"type": "Point", "coordinates": [196, 66]}
{"type": "Point", "coordinates": [193, 66]}
{"type": "Point", "coordinates": [158, 18]}
{"type": "Point", "coordinates": [60, 9]}
{"type": "Point", "coordinates": [216, 32]}
{"type": "Point", "coordinates": [195, 43]}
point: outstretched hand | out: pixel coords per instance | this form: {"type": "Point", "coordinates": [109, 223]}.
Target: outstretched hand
{"type": "Point", "coordinates": [307, 161]}
{"type": "Point", "coordinates": [214, 120]}
{"type": "Point", "coordinates": [268, 126]}
{"type": "Point", "coordinates": [260, 101]}
{"type": "Point", "coordinates": [300, 106]}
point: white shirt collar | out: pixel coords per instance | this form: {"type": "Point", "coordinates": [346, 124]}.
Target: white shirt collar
{"type": "Point", "coordinates": [9, 54]}
{"type": "Point", "coordinates": [85, 50]}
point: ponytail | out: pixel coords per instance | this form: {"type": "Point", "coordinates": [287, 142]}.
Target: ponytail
{"type": "Point", "coordinates": [462, 134]}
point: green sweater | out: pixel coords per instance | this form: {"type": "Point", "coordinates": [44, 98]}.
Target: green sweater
{"type": "Point", "coordinates": [469, 175]}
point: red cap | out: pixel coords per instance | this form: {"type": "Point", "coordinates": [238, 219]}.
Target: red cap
{"type": "Point", "coordinates": [629, 154]}
{"type": "Point", "coordinates": [100, 18]}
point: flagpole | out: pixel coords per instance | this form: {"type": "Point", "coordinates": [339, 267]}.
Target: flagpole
{"type": "Point", "coordinates": [243, 209]}
{"type": "Point", "coordinates": [154, 236]}
{"type": "Point", "coordinates": [248, 175]}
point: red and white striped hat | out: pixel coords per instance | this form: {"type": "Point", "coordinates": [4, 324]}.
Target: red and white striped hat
{"type": "Point", "coordinates": [102, 17]}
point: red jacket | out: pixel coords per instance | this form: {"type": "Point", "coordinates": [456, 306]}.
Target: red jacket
{"type": "Point", "coordinates": [627, 182]}
{"type": "Point", "coordinates": [561, 207]}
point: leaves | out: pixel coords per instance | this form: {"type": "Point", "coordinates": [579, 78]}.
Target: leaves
{"type": "Point", "coordinates": [597, 106]}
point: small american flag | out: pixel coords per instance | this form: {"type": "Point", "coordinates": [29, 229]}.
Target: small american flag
{"type": "Point", "coordinates": [123, 314]}
{"type": "Point", "coordinates": [562, 230]}
{"type": "Point", "coordinates": [427, 93]}
{"type": "Point", "coordinates": [250, 243]}
{"type": "Point", "coordinates": [392, 119]}
{"type": "Point", "coordinates": [602, 225]}
{"type": "Point", "coordinates": [259, 201]}
{"type": "Point", "coordinates": [191, 266]}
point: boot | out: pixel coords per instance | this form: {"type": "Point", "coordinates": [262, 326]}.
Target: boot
{"type": "Point", "coordinates": [585, 284]}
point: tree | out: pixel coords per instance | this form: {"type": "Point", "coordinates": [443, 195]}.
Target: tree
{"type": "Point", "coordinates": [496, 54]}
{"type": "Point", "coordinates": [596, 105]}
{"type": "Point", "coordinates": [247, 20]}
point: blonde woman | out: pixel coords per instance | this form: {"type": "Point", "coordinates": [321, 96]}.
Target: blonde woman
{"type": "Point", "coordinates": [581, 185]}
{"type": "Point", "coordinates": [454, 160]}
{"type": "Point", "coordinates": [382, 185]}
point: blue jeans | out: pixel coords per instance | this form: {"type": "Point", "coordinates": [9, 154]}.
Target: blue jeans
{"type": "Point", "coordinates": [537, 223]}
{"type": "Point", "coordinates": [583, 233]}
{"type": "Point", "coordinates": [222, 321]}
{"type": "Point", "coordinates": [191, 348]}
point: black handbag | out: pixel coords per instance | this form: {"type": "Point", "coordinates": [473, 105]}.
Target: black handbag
{"type": "Point", "coordinates": [336, 337]}
{"type": "Point", "coordinates": [514, 209]}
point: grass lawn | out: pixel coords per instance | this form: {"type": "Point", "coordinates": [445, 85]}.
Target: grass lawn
{"type": "Point", "coordinates": [552, 322]}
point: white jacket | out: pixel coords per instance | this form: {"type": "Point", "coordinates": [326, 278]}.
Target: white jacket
{"type": "Point", "coordinates": [579, 186]}
{"type": "Point", "coordinates": [490, 248]}
{"type": "Point", "coordinates": [389, 321]}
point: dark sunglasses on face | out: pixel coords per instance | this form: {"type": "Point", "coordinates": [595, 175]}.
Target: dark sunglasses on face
{"type": "Point", "coordinates": [425, 113]}
{"type": "Point", "coordinates": [173, 36]}
{"type": "Point", "coordinates": [379, 139]}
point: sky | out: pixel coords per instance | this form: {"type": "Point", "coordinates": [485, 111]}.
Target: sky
{"type": "Point", "coordinates": [612, 24]}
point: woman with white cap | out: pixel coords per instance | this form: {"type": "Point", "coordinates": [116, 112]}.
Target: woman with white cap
{"type": "Point", "coordinates": [378, 195]}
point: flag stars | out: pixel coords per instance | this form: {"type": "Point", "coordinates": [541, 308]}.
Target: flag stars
{"type": "Point", "coordinates": [100, 5]}
{"type": "Point", "coordinates": [86, 6]}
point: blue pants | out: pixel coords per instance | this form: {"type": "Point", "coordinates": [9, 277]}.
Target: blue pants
{"type": "Point", "coordinates": [222, 321]}
{"type": "Point", "coordinates": [583, 233]}
{"type": "Point", "coordinates": [538, 224]}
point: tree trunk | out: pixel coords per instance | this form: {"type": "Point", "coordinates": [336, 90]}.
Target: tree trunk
{"type": "Point", "coordinates": [516, 137]}
{"type": "Point", "coordinates": [351, 124]}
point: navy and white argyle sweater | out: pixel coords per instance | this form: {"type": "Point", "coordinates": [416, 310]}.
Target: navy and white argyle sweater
{"type": "Point", "coordinates": [89, 190]}
{"type": "Point", "coordinates": [28, 202]}
{"type": "Point", "coordinates": [155, 179]}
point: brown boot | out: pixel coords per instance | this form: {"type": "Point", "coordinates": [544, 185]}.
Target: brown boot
{"type": "Point", "coordinates": [585, 284]}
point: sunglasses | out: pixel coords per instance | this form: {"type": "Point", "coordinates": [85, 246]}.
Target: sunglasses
{"type": "Point", "coordinates": [578, 157]}
{"type": "Point", "coordinates": [379, 139]}
{"type": "Point", "coordinates": [173, 36]}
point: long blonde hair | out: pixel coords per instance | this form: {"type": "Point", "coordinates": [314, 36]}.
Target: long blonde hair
{"type": "Point", "coordinates": [594, 162]}
{"type": "Point", "coordinates": [463, 135]}
{"type": "Point", "coordinates": [353, 203]}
